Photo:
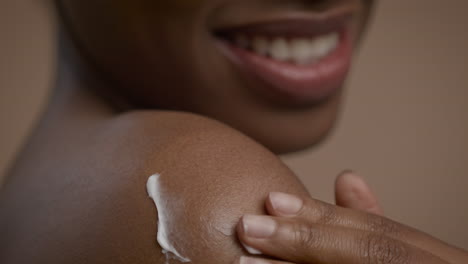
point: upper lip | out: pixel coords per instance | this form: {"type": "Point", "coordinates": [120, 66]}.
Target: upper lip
{"type": "Point", "coordinates": [304, 27]}
{"type": "Point", "coordinates": [287, 21]}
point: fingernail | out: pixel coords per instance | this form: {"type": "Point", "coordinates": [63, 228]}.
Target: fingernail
{"type": "Point", "coordinates": [258, 226]}
{"type": "Point", "coordinates": [356, 185]}
{"type": "Point", "coordinates": [251, 250]}
{"type": "Point", "coordinates": [286, 204]}
{"type": "Point", "coordinates": [247, 260]}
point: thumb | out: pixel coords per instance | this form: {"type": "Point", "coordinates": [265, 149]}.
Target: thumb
{"type": "Point", "coordinates": [351, 191]}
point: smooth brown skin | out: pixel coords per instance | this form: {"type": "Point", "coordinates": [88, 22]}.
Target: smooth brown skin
{"type": "Point", "coordinates": [77, 192]}
{"type": "Point", "coordinates": [61, 206]}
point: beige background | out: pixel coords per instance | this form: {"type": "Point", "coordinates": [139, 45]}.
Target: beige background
{"type": "Point", "coordinates": [405, 125]}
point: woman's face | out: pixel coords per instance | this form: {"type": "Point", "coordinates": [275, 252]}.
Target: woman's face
{"type": "Point", "coordinates": [273, 69]}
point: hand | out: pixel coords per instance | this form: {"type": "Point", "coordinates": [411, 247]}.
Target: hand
{"type": "Point", "coordinates": [303, 230]}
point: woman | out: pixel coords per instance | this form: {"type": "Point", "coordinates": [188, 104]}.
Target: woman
{"type": "Point", "coordinates": [272, 70]}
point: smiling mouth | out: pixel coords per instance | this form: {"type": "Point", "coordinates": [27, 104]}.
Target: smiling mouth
{"type": "Point", "coordinates": [302, 60]}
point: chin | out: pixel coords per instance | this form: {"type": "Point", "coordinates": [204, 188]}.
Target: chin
{"type": "Point", "coordinates": [296, 143]}
{"type": "Point", "coordinates": [294, 132]}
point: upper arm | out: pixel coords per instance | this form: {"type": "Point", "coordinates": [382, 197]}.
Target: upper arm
{"type": "Point", "coordinates": [215, 175]}
{"type": "Point", "coordinates": [211, 175]}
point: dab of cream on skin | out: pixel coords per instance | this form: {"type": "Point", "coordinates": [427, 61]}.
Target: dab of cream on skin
{"type": "Point", "coordinates": [156, 193]}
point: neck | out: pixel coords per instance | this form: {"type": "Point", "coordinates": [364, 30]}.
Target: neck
{"type": "Point", "coordinates": [77, 99]}
{"type": "Point", "coordinates": [73, 109]}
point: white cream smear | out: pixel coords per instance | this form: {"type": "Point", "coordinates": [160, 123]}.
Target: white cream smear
{"type": "Point", "coordinates": [155, 192]}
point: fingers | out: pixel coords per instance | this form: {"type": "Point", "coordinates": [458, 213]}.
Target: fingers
{"type": "Point", "coordinates": [285, 205]}
{"type": "Point", "coordinates": [351, 191]}
{"type": "Point", "coordinates": [299, 241]}
{"type": "Point", "coordinates": [320, 213]}
{"type": "Point", "coordinates": [249, 260]}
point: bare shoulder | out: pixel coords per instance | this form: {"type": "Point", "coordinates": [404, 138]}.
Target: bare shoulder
{"type": "Point", "coordinates": [95, 208]}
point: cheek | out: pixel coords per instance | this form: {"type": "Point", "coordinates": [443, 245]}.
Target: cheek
{"type": "Point", "coordinates": [159, 7]}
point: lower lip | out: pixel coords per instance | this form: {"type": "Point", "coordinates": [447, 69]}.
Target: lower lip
{"type": "Point", "coordinates": [296, 83]}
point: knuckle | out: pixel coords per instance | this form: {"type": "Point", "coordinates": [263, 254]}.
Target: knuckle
{"type": "Point", "coordinates": [321, 213]}
{"type": "Point", "coordinates": [305, 236]}
{"type": "Point", "coordinates": [380, 249]}
{"type": "Point", "coordinates": [382, 225]}
{"type": "Point", "coordinates": [328, 214]}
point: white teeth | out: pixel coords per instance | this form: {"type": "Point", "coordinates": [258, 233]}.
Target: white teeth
{"type": "Point", "coordinates": [300, 51]}
{"type": "Point", "coordinates": [261, 45]}
{"type": "Point", "coordinates": [334, 39]}
{"type": "Point", "coordinates": [322, 46]}
{"type": "Point", "coordinates": [279, 49]}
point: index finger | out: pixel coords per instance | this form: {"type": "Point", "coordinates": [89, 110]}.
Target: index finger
{"type": "Point", "coordinates": [318, 212]}
{"type": "Point", "coordinates": [297, 241]}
